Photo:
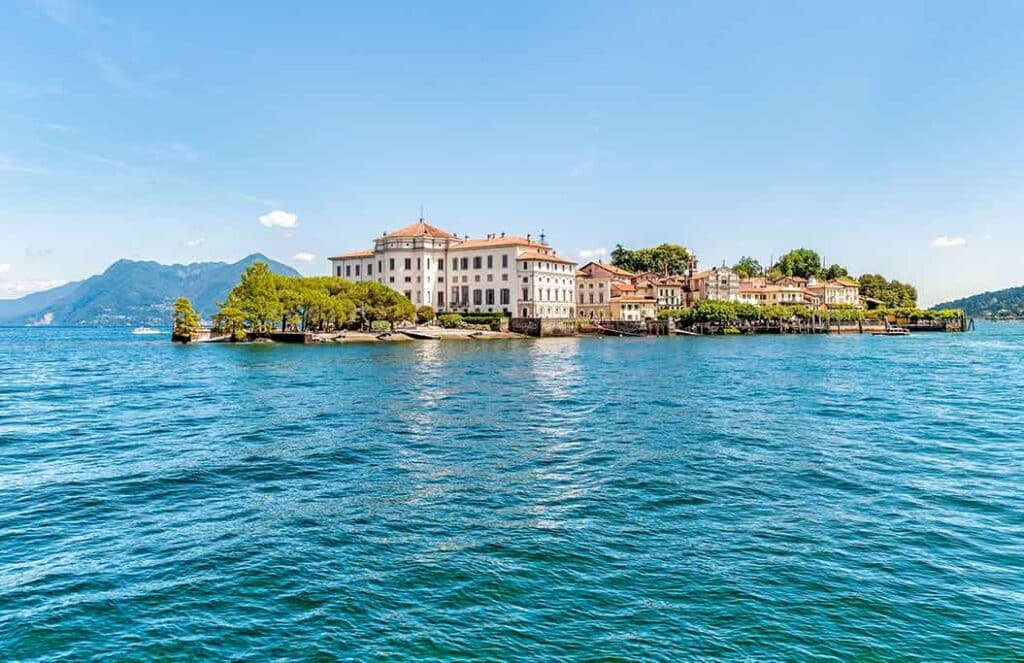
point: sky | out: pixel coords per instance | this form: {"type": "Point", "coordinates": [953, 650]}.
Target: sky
{"type": "Point", "coordinates": [885, 135]}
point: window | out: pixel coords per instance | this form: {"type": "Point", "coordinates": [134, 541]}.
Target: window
{"type": "Point", "coordinates": [408, 279]}
{"type": "Point", "coordinates": [440, 299]}
{"type": "Point", "coordinates": [490, 277]}
{"type": "Point", "coordinates": [455, 263]}
{"type": "Point", "coordinates": [455, 295]}
{"type": "Point", "coordinates": [408, 295]}
{"type": "Point", "coordinates": [391, 264]}
{"type": "Point", "coordinates": [391, 279]}
{"type": "Point", "coordinates": [504, 277]}
{"type": "Point", "coordinates": [505, 296]}
{"type": "Point", "coordinates": [428, 262]}
{"type": "Point", "coordinates": [478, 297]}
{"type": "Point", "coordinates": [504, 260]}
{"type": "Point", "coordinates": [465, 295]}
{"type": "Point", "coordinates": [369, 269]}
{"type": "Point", "coordinates": [380, 265]}
{"type": "Point", "coordinates": [348, 270]}
{"type": "Point", "coordinates": [337, 270]}
{"type": "Point", "coordinates": [600, 296]}
{"type": "Point", "coordinates": [419, 263]}
{"type": "Point", "coordinates": [526, 294]}
{"type": "Point", "coordinates": [408, 263]}
{"type": "Point", "coordinates": [440, 264]}
{"type": "Point", "coordinates": [490, 262]}
{"type": "Point", "coordinates": [477, 262]}
{"type": "Point", "coordinates": [464, 264]}
{"type": "Point", "coordinates": [357, 270]}
{"type": "Point", "coordinates": [591, 298]}
{"type": "Point", "coordinates": [489, 296]}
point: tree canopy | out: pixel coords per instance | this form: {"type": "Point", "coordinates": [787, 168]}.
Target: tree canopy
{"type": "Point", "coordinates": [670, 258]}
{"type": "Point", "coordinates": [892, 294]}
{"type": "Point", "coordinates": [186, 320]}
{"type": "Point", "coordinates": [747, 267]}
{"type": "Point", "coordinates": [804, 263]}
{"type": "Point", "coordinates": [263, 301]}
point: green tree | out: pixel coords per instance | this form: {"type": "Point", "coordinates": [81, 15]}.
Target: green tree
{"type": "Point", "coordinates": [377, 302]}
{"type": "Point", "coordinates": [747, 267]}
{"type": "Point", "coordinates": [424, 314]}
{"type": "Point", "coordinates": [230, 320]}
{"type": "Point", "coordinates": [667, 258]}
{"type": "Point", "coordinates": [892, 294]}
{"type": "Point", "coordinates": [257, 296]}
{"type": "Point", "coordinates": [804, 263]}
{"type": "Point", "coordinates": [835, 272]}
{"type": "Point", "coordinates": [186, 320]}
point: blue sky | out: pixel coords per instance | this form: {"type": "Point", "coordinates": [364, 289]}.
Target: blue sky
{"type": "Point", "coordinates": [888, 136]}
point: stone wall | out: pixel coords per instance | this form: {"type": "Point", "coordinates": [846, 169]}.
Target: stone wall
{"type": "Point", "coordinates": [543, 326]}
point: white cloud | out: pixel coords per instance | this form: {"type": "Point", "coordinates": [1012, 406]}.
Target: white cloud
{"type": "Point", "coordinates": [945, 242]}
{"type": "Point", "coordinates": [279, 219]}
{"type": "Point", "coordinates": [109, 70]}
{"type": "Point", "coordinates": [5, 267]}
{"type": "Point", "coordinates": [173, 150]}
{"type": "Point", "coordinates": [59, 11]}
{"type": "Point", "coordinates": [12, 165]}
{"type": "Point", "coordinates": [303, 256]}
{"type": "Point", "coordinates": [590, 254]}
{"type": "Point", "coordinates": [193, 243]}
{"type": "Point", "coordinates": [53, 126]}
{"type": "Point", "coordinates": [12, 289]}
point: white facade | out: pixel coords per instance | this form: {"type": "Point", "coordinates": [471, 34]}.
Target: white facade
{"type": "Point", "coordinates": [515, 275]}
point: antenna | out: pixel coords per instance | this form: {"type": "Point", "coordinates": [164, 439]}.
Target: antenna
{"type": "Point", "coordinates": [421, 212]}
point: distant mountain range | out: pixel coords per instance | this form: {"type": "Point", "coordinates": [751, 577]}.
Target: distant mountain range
{"type": "Point", "coordinates": [1008, 303]}
{"type": "Point", "coordinates": [132, 293]}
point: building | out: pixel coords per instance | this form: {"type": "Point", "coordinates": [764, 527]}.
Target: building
{"type": "Point", "coordinates": [759, 293]}
{"type": "Point", "coordinates": [717, 283]}
{"type": "Point", "coordinates": [594, 282]}
{"type": "Point", "coordinates": [841, 292]}
{"type": "Point", "coordinates": [516, 275]}
{"type": "Point", "coordinates": [670, 291]}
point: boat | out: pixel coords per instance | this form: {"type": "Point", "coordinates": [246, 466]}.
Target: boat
{"type": "Point", "coordinates": [145, 331]}
{"type": "Point", "coordinates": [418, 335]}
{"type": "Point", "coordinates": [892, 331]}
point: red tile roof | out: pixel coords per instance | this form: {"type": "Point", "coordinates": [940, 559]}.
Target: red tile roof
{"type": "Point", "coordinates": [421, 229]}
{"type": "Point", "coordinates": [536, 255]}
{"type": "Point", "coordinates": [365, 253]}
{"type": "Point", "coordinates": [507, 240]}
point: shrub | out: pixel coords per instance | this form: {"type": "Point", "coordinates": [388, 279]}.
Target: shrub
{"type": "Point", "coordinates": [450, 320]}
{"type": "Point", "coordinates": [730, 331]}
{"type": "Point", "coordinates": [424, 314]}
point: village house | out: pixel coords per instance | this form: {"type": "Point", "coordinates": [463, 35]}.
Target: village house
{"type": "Point", "coordinates": [515, 275]}
{"type": "Point", "coordinates": [843, 291]}
{"type": "Point", "coordinates": [668, 290]}
{"type": "Point", "coordinates": [594, 293]}
{"type": "Point", "coordinates": [717, 283]}
{"type": "Point", "coordinates": [757, 292]}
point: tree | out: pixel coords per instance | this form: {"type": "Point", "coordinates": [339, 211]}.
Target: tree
{"type": "Point", "coordinates": [257, 296]}
{"type": "Point", "coordinates": [186, 320]}
{"type": "Point", "coordinates": [804, 263]}
{"type": "Point", "coordinates": [424, 314]}
{"type": "Point", "coordinates": [835, 272]}
{"type": "Point", "coordinates": [747, 267]}
{"type": "Point", "coordinates": [665, 258]}
{"type": "Point", "coordinates": [892, 294]}
{"type": "Point", "coordinates": [231, 320]}
{"type": "Point", "coordinates": [376, 302]}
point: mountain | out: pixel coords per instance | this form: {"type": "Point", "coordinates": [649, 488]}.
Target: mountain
{"type": "Point", "coordinates": [132, 292]}
{"type": "Point", "coordinates": [1008, 303]}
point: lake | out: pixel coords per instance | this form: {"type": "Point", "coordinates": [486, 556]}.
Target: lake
{"type": "Point", "coordinates": [658, 498]}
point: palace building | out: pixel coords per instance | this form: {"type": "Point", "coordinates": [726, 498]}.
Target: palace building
{"type": "Point", "coordinates": [516, 275]}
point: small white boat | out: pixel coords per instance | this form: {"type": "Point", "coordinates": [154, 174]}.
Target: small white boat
{"type": "Point", "coordinates": [892, 331]}
{"type": "Point", "coordinates": [145, 331]}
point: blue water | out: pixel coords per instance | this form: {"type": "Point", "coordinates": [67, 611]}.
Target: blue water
{"type": "Point", "coordinates": [757, 497]}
